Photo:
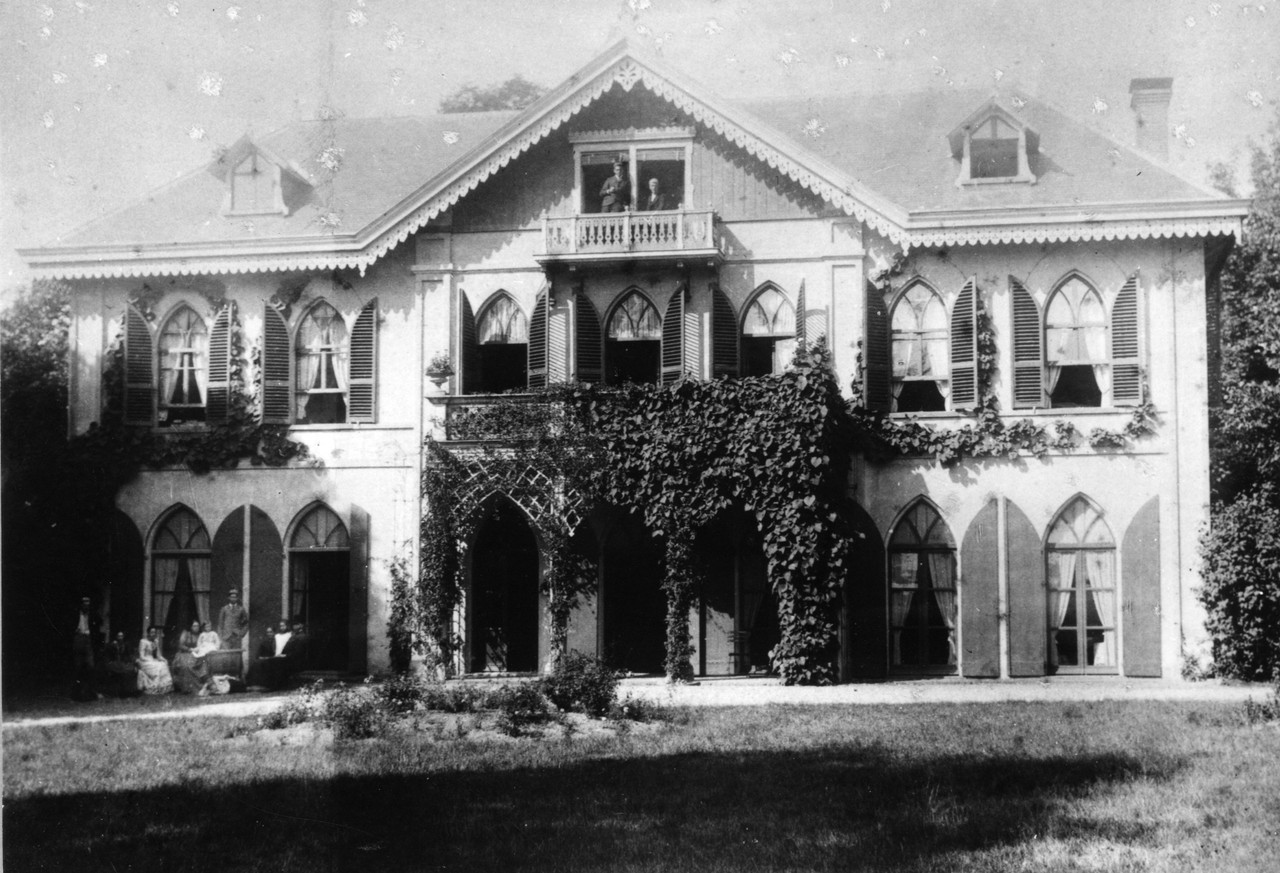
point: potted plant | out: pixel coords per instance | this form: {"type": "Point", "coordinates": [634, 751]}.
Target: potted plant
{"type": "Point", "coordinates": [439, 370]}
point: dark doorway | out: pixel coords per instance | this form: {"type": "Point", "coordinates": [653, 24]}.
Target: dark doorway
{"type": "Point", "coordinates": [739, 611]}
{"type": "Point", "coordinates": [759, 354]}
{"type": "Point", "coordinates": [503, 367]}
{"type": "Point", "coordinates": [633, 361]}
{"type": "Point", "coordinates": [320, 597]}
{"type": "Point", "coordinates": [504, 592]}
{"type": "Point", "coordinates": [634, 606]}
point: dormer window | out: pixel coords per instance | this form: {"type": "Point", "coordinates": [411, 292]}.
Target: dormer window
{"type": "Point", "coordinates": [255, 187]}
{"type": "Point", "coordinates": [993, 146]}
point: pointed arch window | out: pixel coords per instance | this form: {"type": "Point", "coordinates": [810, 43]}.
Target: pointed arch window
{"type": "Point", "coordinates": [920, 352]}
{"type": "Point", "coordinates": [1077, 365]}
{"type": "Point", "coordinates": [180, 574]}
{"type": "Point", "coordinates": [503, 347]}
{"type": "Point", "coordinates": [183, 359]}
{"type": "Point", "coordinates": [633, 341]}
{"type": "Point", "coordinates": [922, 593]}
{"type": "Point", "coordinates": [1081, 574]}
{"type": "Point", "coordinates": [322, 366]}
{"type": "Point", "coordinates": [768, 333]}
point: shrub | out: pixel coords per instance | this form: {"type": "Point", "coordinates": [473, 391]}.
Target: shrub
{"type": "Point", "coordinates": [520, 706]}
{"type": "Point", "coordinates": [355, 713]}
{"type": "Point", "coordinates": [403, 692]}
{"type": "Point", "coordinates": [439, 697]}
{"type": "Point", "coordinates": [1241, 591]}
{"type": "Point", "coordinates": [301, 706]}
{"type": "Point", "coordinates": [581, 683]}
{"type": "Point", "coordinates": [638, 709]}
{"type": "Point", "coordinates": [1264, 712]}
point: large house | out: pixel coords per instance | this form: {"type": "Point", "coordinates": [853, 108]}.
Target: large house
{"type": "Point", "coordinates": [632, 226]}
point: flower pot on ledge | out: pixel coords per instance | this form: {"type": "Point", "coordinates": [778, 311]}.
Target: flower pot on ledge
{"type": "Point", "coordinates": [437, 380]}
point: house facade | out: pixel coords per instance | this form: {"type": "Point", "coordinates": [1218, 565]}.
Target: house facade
{"type": "Point", "coordinates": [631, 227]}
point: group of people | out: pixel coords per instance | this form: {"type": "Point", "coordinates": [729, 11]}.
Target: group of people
{"type": "Point", "coordinates": [615, 194]}
{"type": "Point", "coordinates": [123, 670]}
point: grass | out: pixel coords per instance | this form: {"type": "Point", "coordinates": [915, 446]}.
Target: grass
{"type": "Point", "coordinates": [1042, 787]}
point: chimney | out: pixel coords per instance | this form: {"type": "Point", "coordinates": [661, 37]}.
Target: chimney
{"type": "Point", "coordinates": [1150, 104]}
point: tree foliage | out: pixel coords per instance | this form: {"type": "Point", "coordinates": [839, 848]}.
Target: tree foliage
{"type": "Point", "coordinates": [1242, 577]}
{"type": "Point", "coordinates": [515, 93]}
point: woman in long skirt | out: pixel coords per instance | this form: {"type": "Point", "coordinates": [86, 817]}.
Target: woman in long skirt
{"type": "Point", "coordinates": [190, 673]}
{"type": "Point", "coordinates": [153, 670]}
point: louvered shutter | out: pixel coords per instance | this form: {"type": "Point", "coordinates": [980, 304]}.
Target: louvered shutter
{"type": "Point", "coordinates": [1126, 366]}
{"type": "Point", "coordinates": [1028, 352]}
{"type": "Point", "coordinates": [538, 340]}
{"type": "Point", "coordinates": [139, 369]}
{"type": "Point", "coordinates": [673, 337]}
{"type": "Point", "coordinates": [277, 368]}
{"type": "Point", "coordinates": [1140, 574]}
{"type": "Point", "coordinates": [980, 595]}
{"type": "Point", "coordinates": [1027, 594]}
{"type": "Point", "coordinates": [362, 383]}
{"type": "Point", "coordinates": [964, 348]}
{"type": "Point", "coordinates": [724, 335]}
{"type": "Point", "coordinates": [470, 378]}
{"type": "Point", "coordinates": [802, 307]}
{"type": "Point", "coordinates": [217, 404]}
{"type": "Point", "coordinates": [587, 340]}
{"type": "Point", "coordinates": [875, 362]}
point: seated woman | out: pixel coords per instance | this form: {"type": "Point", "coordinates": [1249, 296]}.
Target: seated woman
{"type": "Point", "coordinates": [118, 671]}
{"type": "Point", "coordinates": [207, 641]}
{"type": "Point", "coordinates": [189, 672]}
{"type": "Point", "coordinates": [153, 670]}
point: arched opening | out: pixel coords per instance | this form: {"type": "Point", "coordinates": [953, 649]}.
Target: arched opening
{"type": "Point", "coordinates": [503, 346]}
{"type": "Point", "coordinates": [633, 342]}
{"type": "Point", "coordinates": [921, 359]}
{"type": "Point", "coordinates": [321, 350]}
{"type": "Point", "coordinates": [1076, 355]}
{"type": "Point", "coordinates": [180, 554]}
{"type": "Point", "coordinates": [922, 593]}
{"type": "Point", "coordinates": [319, 593]}
{"type": "Point", "coordinates": [504, 601]}
{"type": "Point", "coordinates": [1081, 574]}
{"type": "Point", "coordinates": [183, 352]}
{"type": "Point", "coordinates": [768, 333]}
{"type": "Point", "coordinates": [739, 621]}
{"type": "Point", "coordinates": [633, 605]}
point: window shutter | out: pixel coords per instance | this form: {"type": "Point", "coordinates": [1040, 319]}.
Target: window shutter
{"type": "Point", "coordinates": [724, 335]}
{"type": "Point", "coordinates": [964, 348]}
{"type": "Point", "coordinates": [875, 363]}
{"type": "Point", "coordinates": [673, 337]}
{"type": "Point", "coordinates": [538, 339]}
{"type": "Point", "coordinates": [1028, 354]}
{"type": "Point", "coordinates": [980, 595]}
{"type": "Point", "coordinates": [358, 591]}
{"type": "Point", "coordinates": [218, 402]}
{"type": "Point", "coordinates": [469, 376]}
{"type": "Point", "coordinates": [1027, 595]}
{"type": "Point", "coordinates": [362, 384]}
{"type": "Point", "coordinates": [139, 369]}
{"type": "Point", "coordinates": [1126, 367]}
{"type": "Point", "coordinates": [802, 335]}
{"type": "Point", "coordinates": [277, 368]}
{"type": "Point", "coordinates": [1140, 577]}
{"type": "Point", "coordinates": [587, 341]}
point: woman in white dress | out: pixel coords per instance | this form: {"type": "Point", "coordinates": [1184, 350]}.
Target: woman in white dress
{"type": "Point", "coordinates": [207, 641]}
{"type": "Point", "coordinates": [153, 670]}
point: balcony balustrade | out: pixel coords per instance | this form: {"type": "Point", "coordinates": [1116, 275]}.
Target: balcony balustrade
{"type": "Point", "coordinates": [670, 234]}
{"type": "Point", "coordinates": [491, 417]}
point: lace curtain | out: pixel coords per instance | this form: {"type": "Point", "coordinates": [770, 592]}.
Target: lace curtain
{"type": "Point", "coordinates": [940, 566]}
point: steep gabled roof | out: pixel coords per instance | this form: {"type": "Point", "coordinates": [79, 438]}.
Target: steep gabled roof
{"type": "Point", "coordinates": [883, 159]}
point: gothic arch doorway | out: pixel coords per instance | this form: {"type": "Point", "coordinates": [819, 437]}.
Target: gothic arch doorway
{"type": "Point", "coordinates": [504, 601]}
{"type": "Point", "coordinates": [633, 607]}
{"type": "Point", "coordinates": [739, 621]}
{"type": "Point", "coordinates": [319, 592]}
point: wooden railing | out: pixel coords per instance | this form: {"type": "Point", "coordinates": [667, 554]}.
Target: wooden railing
{"type": "Point", "coordinates": [673, 231]}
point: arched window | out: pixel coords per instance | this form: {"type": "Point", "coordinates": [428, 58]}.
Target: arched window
{"type": "Point", "coordinates": [920, 351]}
{"type": "Point", "coordinates": [768, 333]}
{"type": "Point", "coordinates": [322, 366]}
{"type": "Point", "coordinates": [922, 593]}
{"type": "Point", "coordinates": [184, 343]}
{"type": "Point", "coordinates": [180, 556]}
{"type": "Point", "coordinates": [633, 343]}
{"type": "Point", "coordinates": [1076, 355]}
{"type": "Point", "coordinates": [1081, 572]}
{"type": "Point", "coordinates": [503, 337]}
{"type": "Point", "coordinates": [320, 586]}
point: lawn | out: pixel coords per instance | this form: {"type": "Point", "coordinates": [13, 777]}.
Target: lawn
{"type": "Point", "coordinates": [1054, 786]}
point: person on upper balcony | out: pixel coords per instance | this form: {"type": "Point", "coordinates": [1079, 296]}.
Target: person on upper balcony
{"type": "Point", "coordinates": [656, 199]}
{"type": "Point", "coordinates": [615, 193]}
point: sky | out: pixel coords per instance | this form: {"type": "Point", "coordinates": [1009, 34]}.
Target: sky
{"type": "Point", "coordinates": [102, 101]}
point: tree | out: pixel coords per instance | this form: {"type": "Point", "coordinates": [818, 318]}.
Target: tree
{"type": "Point", "coordinates": [1242, 571]}
{"type": "Point", "coordinates": [515, 93]}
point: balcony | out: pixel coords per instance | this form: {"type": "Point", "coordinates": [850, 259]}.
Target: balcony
{"type": "Point", "coordinates": [672, 235]}
{"type": "Point", "coordinates": [479, 418]}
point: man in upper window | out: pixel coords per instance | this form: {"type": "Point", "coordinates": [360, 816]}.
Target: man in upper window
{"type": "Point", "coordinates": [655, 199]}
{"type": "Point", "coordinates": [615, 193]}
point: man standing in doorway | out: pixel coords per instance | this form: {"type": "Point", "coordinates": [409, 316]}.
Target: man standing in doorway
{"type": "Point", "coordinates": [83, 642]}
{"type": "Point", "coordinates": [233, 621]}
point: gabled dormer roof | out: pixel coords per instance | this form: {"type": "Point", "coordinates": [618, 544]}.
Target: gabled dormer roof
{"type": "Point", "coordinates": [226, 160]}
{"type": "Point", "coordinates": [886, 160]}
{"type": "Point", "coordinates": [992, 108]}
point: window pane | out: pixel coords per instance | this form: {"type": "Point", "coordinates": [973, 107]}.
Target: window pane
{"type": "Point", "coordinates": [902, 569]}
